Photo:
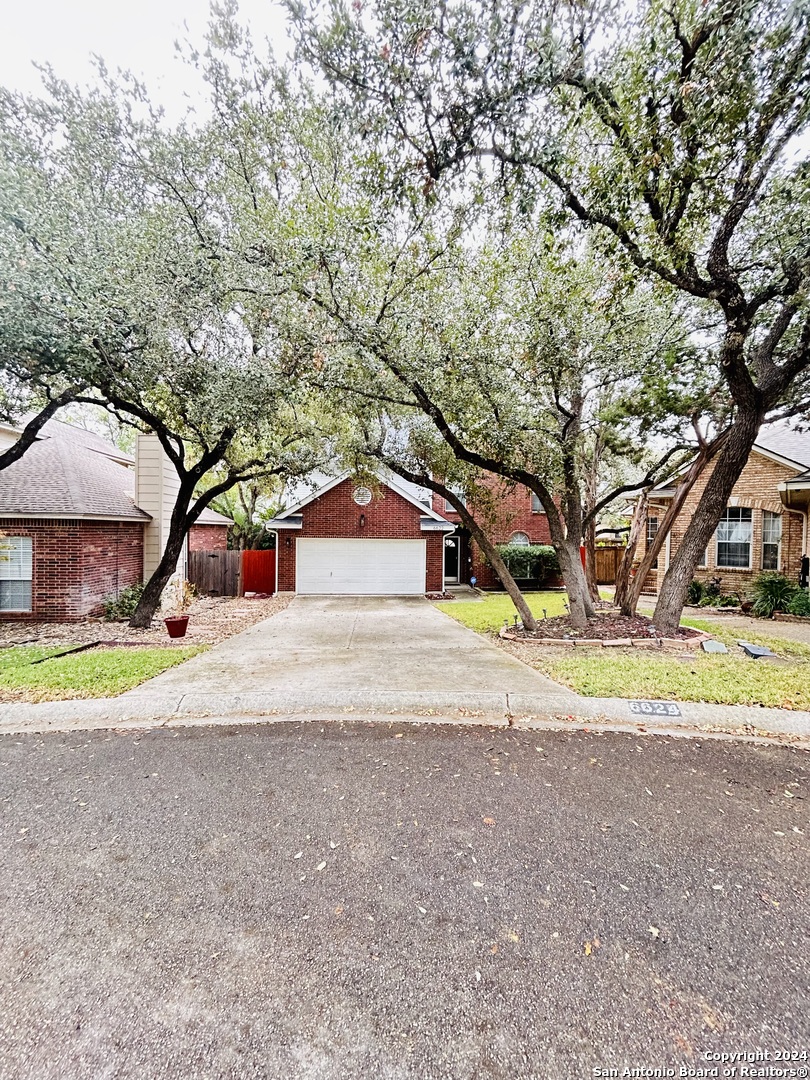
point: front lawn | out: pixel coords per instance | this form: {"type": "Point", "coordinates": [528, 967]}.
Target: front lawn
{"type": "Point", "coordinates": [722, 680]}
{"type": "Point", "coordinates": [731, 679]}
{"type": "Point", "coordinates": [96, 673]}
{"type": "Point", "coordinates": [490, 613]}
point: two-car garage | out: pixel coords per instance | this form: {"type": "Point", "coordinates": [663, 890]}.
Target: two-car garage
{"type": "Point", "coordinates": [371, 567]}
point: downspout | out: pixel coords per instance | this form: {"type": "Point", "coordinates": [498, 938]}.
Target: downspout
{"type": "Point", "coordinates": [274, 532]}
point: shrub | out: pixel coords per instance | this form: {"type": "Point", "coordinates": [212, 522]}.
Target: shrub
{"type": "Point", "coordinates": [538, 561]}
{"type": "Point", "coordinates": [800, 604]}
{"type": "Point", "coordinates": [123, 606]}
{"type": "Point", "coordinates": [772, 592]}
{"type": "Point", "coordinates": [695, 593]}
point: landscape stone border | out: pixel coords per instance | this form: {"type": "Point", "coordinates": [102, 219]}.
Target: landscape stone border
{"type": "Point", "coordinates": [610, 643]}
{"type": "Point", "coordinates": [782, 616]}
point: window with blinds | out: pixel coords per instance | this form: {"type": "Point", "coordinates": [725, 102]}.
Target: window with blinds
{"type": "Point", "coordinates": [734, 538]}
{"type": "Point", "coordinates": [771, 540]}
{"type": "Point", "coordinates": [15, 573]}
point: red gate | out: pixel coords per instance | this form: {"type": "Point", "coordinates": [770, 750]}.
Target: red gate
{"type": "Point", "coordinates": [259, 571]}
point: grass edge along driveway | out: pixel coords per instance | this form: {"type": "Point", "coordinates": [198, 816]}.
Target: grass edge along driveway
{"type": "Point", "coordinates": [731, 679]}
{"type": "Point", "coordinates": [95, 673]}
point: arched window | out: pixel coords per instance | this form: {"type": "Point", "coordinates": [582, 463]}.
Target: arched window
{"type": "Point", "coordinates": [519, 538]}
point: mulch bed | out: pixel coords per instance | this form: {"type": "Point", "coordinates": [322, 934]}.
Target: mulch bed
{"type": "Point", "coordinates": [212, 619]}
{"type": "Point", "coordinates": [605, 626]}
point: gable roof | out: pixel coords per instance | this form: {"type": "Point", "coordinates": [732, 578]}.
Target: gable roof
{"type": "Point", "coordinates": [784, 442]}
{"type": "Point", "coordinates": [781, 441]}
{"type": "Point", "coordinates": [401, 487]}
{"type": "Point", "coordinates": [70, 473]}
{"type": "Point", "coordinates": [213, 517]}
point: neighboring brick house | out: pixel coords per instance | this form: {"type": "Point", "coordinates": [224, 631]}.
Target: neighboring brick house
{"type": "Point", "coordinates": [209, 534]}
{"type": "Point", "coordinates": [516, 517]}
{"type": "Point", "coordinates": [72, 532]}
{"type": "Point", "coordinates": [765, 524]}
{"type": "Point", "coordinates": [338, 537]}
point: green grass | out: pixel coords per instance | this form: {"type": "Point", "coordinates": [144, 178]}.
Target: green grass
{"type": "Point", "coordinates": [723, 680]}
{"type": "Point", "coordinates": [731, 679]}
{"type": "Point", "coordinates": [730, 635]}
{"type": "Point", "coordinates": [489, 613]}
{"type": "Point", "coordinates": [96, 673]}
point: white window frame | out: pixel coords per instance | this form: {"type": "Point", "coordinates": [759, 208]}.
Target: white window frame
{"type": "Point", "coordinates": [718, 541]}
{"type": "Point", "coordinates": [770, 543]}
{"type": "Point", "coordinates": [520, 543]}
{"type": "Point", "coordinates": [537, 506]}
{"type": "Point", "coordinates": [22, 545]}
{"type": "Point", "coordinates": [647, 538]}
{"type": "Point", "coordinates": [448, 506]}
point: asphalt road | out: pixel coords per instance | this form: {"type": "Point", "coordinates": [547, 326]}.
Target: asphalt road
{"type": "Point", "coordinates": [327, 901]}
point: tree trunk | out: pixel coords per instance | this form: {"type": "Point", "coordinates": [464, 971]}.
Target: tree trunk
{"type": "Point", "coordinates": [623, 578]}
{"type": "Point", "coordinates": [590, 561]}
{"type": "Point", "coordinates": [579, 600]}
{"type": "Point", "coordinates": [692, 475]}
{"type": "Point", "coordinates": [730, 463]}
{"type": "Point", "coordinates": [150, 599]}
{"type": "Point", "coordinates": [499, 566]}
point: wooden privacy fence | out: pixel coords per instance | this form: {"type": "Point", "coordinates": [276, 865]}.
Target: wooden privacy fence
{"type": "Point", "coordinates": [231, 573]}
{"type": "Point", "coordinates": [607, 563]}
{"type": "Point", "coordinates": [214, 573]}
{"type": "Point", "coordinates": [259, 571]}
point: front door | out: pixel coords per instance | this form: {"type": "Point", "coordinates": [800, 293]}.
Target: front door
{"type": "Point", "coordinates": [451, 560]}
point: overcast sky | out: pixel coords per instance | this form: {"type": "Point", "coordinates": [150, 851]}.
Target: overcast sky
{"type": "Point", "coordinates": [136, 36]}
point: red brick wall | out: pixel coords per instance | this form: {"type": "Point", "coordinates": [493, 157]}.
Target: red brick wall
{"type": "Point", "coordinates": [335, 514]}
{"type": "Point", "coordinates": [208, 538]}
{"type": "Point", "coordinates": [76, 564]}
{"type": "Point", "coordinates": [511, 512]}
{"type": "Point", "coordinates": [756, 488]}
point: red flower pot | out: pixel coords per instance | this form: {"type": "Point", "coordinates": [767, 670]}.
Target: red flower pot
{"type": "Point", "coordinates": [176, 625]}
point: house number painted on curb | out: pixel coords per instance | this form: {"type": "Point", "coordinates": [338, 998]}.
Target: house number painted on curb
{"type": "Point", "coordinates": [655, 708]}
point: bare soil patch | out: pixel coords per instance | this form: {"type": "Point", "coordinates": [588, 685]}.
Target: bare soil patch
{"type": "Point", "coordinates": [212, 619]}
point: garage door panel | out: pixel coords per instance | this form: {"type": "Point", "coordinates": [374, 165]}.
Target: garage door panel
{"type": "Point", "coordinates": [360, 567]}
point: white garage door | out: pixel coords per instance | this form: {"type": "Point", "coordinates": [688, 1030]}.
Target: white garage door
{"type": "Point", "coordinates": [370, 567]}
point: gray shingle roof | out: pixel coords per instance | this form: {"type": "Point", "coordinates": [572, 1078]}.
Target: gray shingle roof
{"type": "Point", "coordinates": [785, 439]}
{"type": "Point", "coordinates": [213, 517]}
{"type": "Point", "coordinates": [69, 472]}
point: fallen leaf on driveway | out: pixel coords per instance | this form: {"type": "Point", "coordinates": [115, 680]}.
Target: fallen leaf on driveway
{"type": "Point", "coordinates": [478, 884]}
{"type": "Point", "coordinates": [488, 820]}
{"type": "Point", "coordinates": [298, 856]}
{"type": "Point", "coordinates": [321, 866]}
{"type": "Point", "coordinates": [654, 931]}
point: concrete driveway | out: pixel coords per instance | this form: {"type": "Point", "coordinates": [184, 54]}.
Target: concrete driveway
{"type": "Point", "coordinates": [356, 652]}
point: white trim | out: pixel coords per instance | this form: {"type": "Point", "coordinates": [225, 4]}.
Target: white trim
{"type": "Point", "coordinates": [667, 543]}
{"type": "Point", "coordinates": [425, 508]}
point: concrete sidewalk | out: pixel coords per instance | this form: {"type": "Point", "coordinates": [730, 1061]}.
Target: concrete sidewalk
{"type": "Point", "coordinates": [375, 658]}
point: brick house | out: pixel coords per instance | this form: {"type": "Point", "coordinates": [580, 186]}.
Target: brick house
{"type": "Point", "coordinates": [765, 524]}
{"type": "Point", "coordinates": [72, 532]}
{"type": "Point", "coordinates": [341, 537]}
{"type": "Point", "coordinates": [516, 517]}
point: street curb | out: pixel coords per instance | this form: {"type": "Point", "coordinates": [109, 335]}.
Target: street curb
{"type": "Point", "coordinates": [519, 711]}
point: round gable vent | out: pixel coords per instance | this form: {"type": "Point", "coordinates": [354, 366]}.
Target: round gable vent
{"type": "Point", "coordinates": [362, 496]}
